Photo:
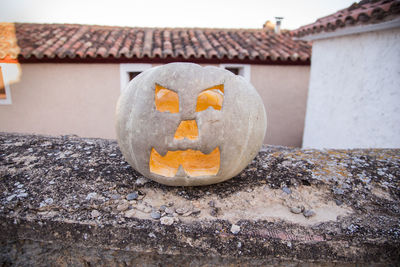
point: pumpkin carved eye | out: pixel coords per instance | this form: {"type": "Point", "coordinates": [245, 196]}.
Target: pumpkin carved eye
{"type": "Point", "coordinates": [166, 100]}
{"type": "Point", "coordinates": [211, 97]}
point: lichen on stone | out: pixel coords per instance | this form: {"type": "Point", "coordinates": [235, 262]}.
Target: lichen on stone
{"type": "Point", "coordinates": [289, 204]}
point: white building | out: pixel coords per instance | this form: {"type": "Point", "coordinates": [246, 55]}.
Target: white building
{"type": "Point", "coordinates": [354, 91]}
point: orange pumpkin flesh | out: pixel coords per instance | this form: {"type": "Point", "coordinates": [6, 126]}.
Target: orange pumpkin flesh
{"type": "Point", "coordinates": [213, 97]}
{"type": "Point", "coordinates": [194, 162]}
{"type": "Point", "coordinates": [187, 129]}
{"type": "Point", "coordinates": [166, 100]}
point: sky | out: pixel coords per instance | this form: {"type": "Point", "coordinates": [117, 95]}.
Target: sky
{"type": "Point", "coordinates": [170, 13]}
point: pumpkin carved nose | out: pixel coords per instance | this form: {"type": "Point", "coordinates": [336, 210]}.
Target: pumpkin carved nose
{"type": "Point", "coordinates": [187, 129]}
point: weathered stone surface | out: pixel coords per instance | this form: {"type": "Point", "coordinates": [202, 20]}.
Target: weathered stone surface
{"type": "Point", "coordinates": [55, 222]}
{"type": "Point", "coordinates": [130, 213]}
{"type": "Point", "coordinates": [235, 229]}
{"type": "Point", "coordinates": [167, 220]}
{"type": "Point", "coordinates": [236, 130]}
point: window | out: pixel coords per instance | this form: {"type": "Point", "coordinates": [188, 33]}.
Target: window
{"type": "Point", "coordinates": [5, 94]}
{"type": "Point", "coordinates": [2, 86]}
{"type": "Point", "coordinates": [133, 74]}
{"type": "Point", "coordinates": [238, 69]}
{"type": "Point", "coordinates": [129, 71]}
{"type": "Point", "coordinates": [234, 70]}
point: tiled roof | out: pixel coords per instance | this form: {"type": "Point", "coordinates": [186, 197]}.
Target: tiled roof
{"type": "Point", "coordinates": [9, 49]}
{"type": "Point", "coordinates": [66, 41]}
{"type": "Point", "coordinates": [364, 12]}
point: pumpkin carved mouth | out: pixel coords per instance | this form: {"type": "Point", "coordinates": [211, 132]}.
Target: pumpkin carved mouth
{"type": "Point", "coordinates": [193, 162]}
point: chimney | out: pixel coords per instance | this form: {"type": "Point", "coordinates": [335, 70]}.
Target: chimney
{"type": "Point", "coordinates": [269, 26]}
{"type": "Point", "coordinates": [278, 24]}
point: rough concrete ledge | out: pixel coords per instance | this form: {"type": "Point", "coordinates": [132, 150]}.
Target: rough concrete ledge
{"type": "Point", "coordinates": [71, 201]}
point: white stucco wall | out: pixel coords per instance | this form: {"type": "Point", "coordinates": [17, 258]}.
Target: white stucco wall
{"type": "Point", "coordinates": [354, 94]}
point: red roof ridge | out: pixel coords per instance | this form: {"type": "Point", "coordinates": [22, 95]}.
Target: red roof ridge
{"type": "Point", "coordinates": [361, 13]}
{"type": "Point", "coordinates": [41, 42]}
{"type": "Point", "coordinates": [145, 27]}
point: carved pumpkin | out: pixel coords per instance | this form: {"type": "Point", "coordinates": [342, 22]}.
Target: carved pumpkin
{"type": "Point", "coordinates": [183, 124]}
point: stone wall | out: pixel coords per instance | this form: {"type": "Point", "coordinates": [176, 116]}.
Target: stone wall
{"type": "Point", "coordinates": [68, 201]}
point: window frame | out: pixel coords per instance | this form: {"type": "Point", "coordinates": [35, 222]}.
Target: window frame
{"type": "Point", "coordinates": [125, 68]}
{"type": "Point", "coordinates": [244, 69]}
{"type": "Point", "coordinates": [7, 100]}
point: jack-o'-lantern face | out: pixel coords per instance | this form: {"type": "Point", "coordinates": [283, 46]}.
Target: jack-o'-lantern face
{"type": "Point", "coordinates": [194, 162]}
{"type": "Point", "coordinates": [182, 124]}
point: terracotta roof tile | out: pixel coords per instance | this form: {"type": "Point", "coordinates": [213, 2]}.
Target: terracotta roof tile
{"type": "Point", "coordinates": [66, 41]}
{"type": "Point", "coordinates": [361, 13]}
{"type": "Point", "coordinates": [9, 49]}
